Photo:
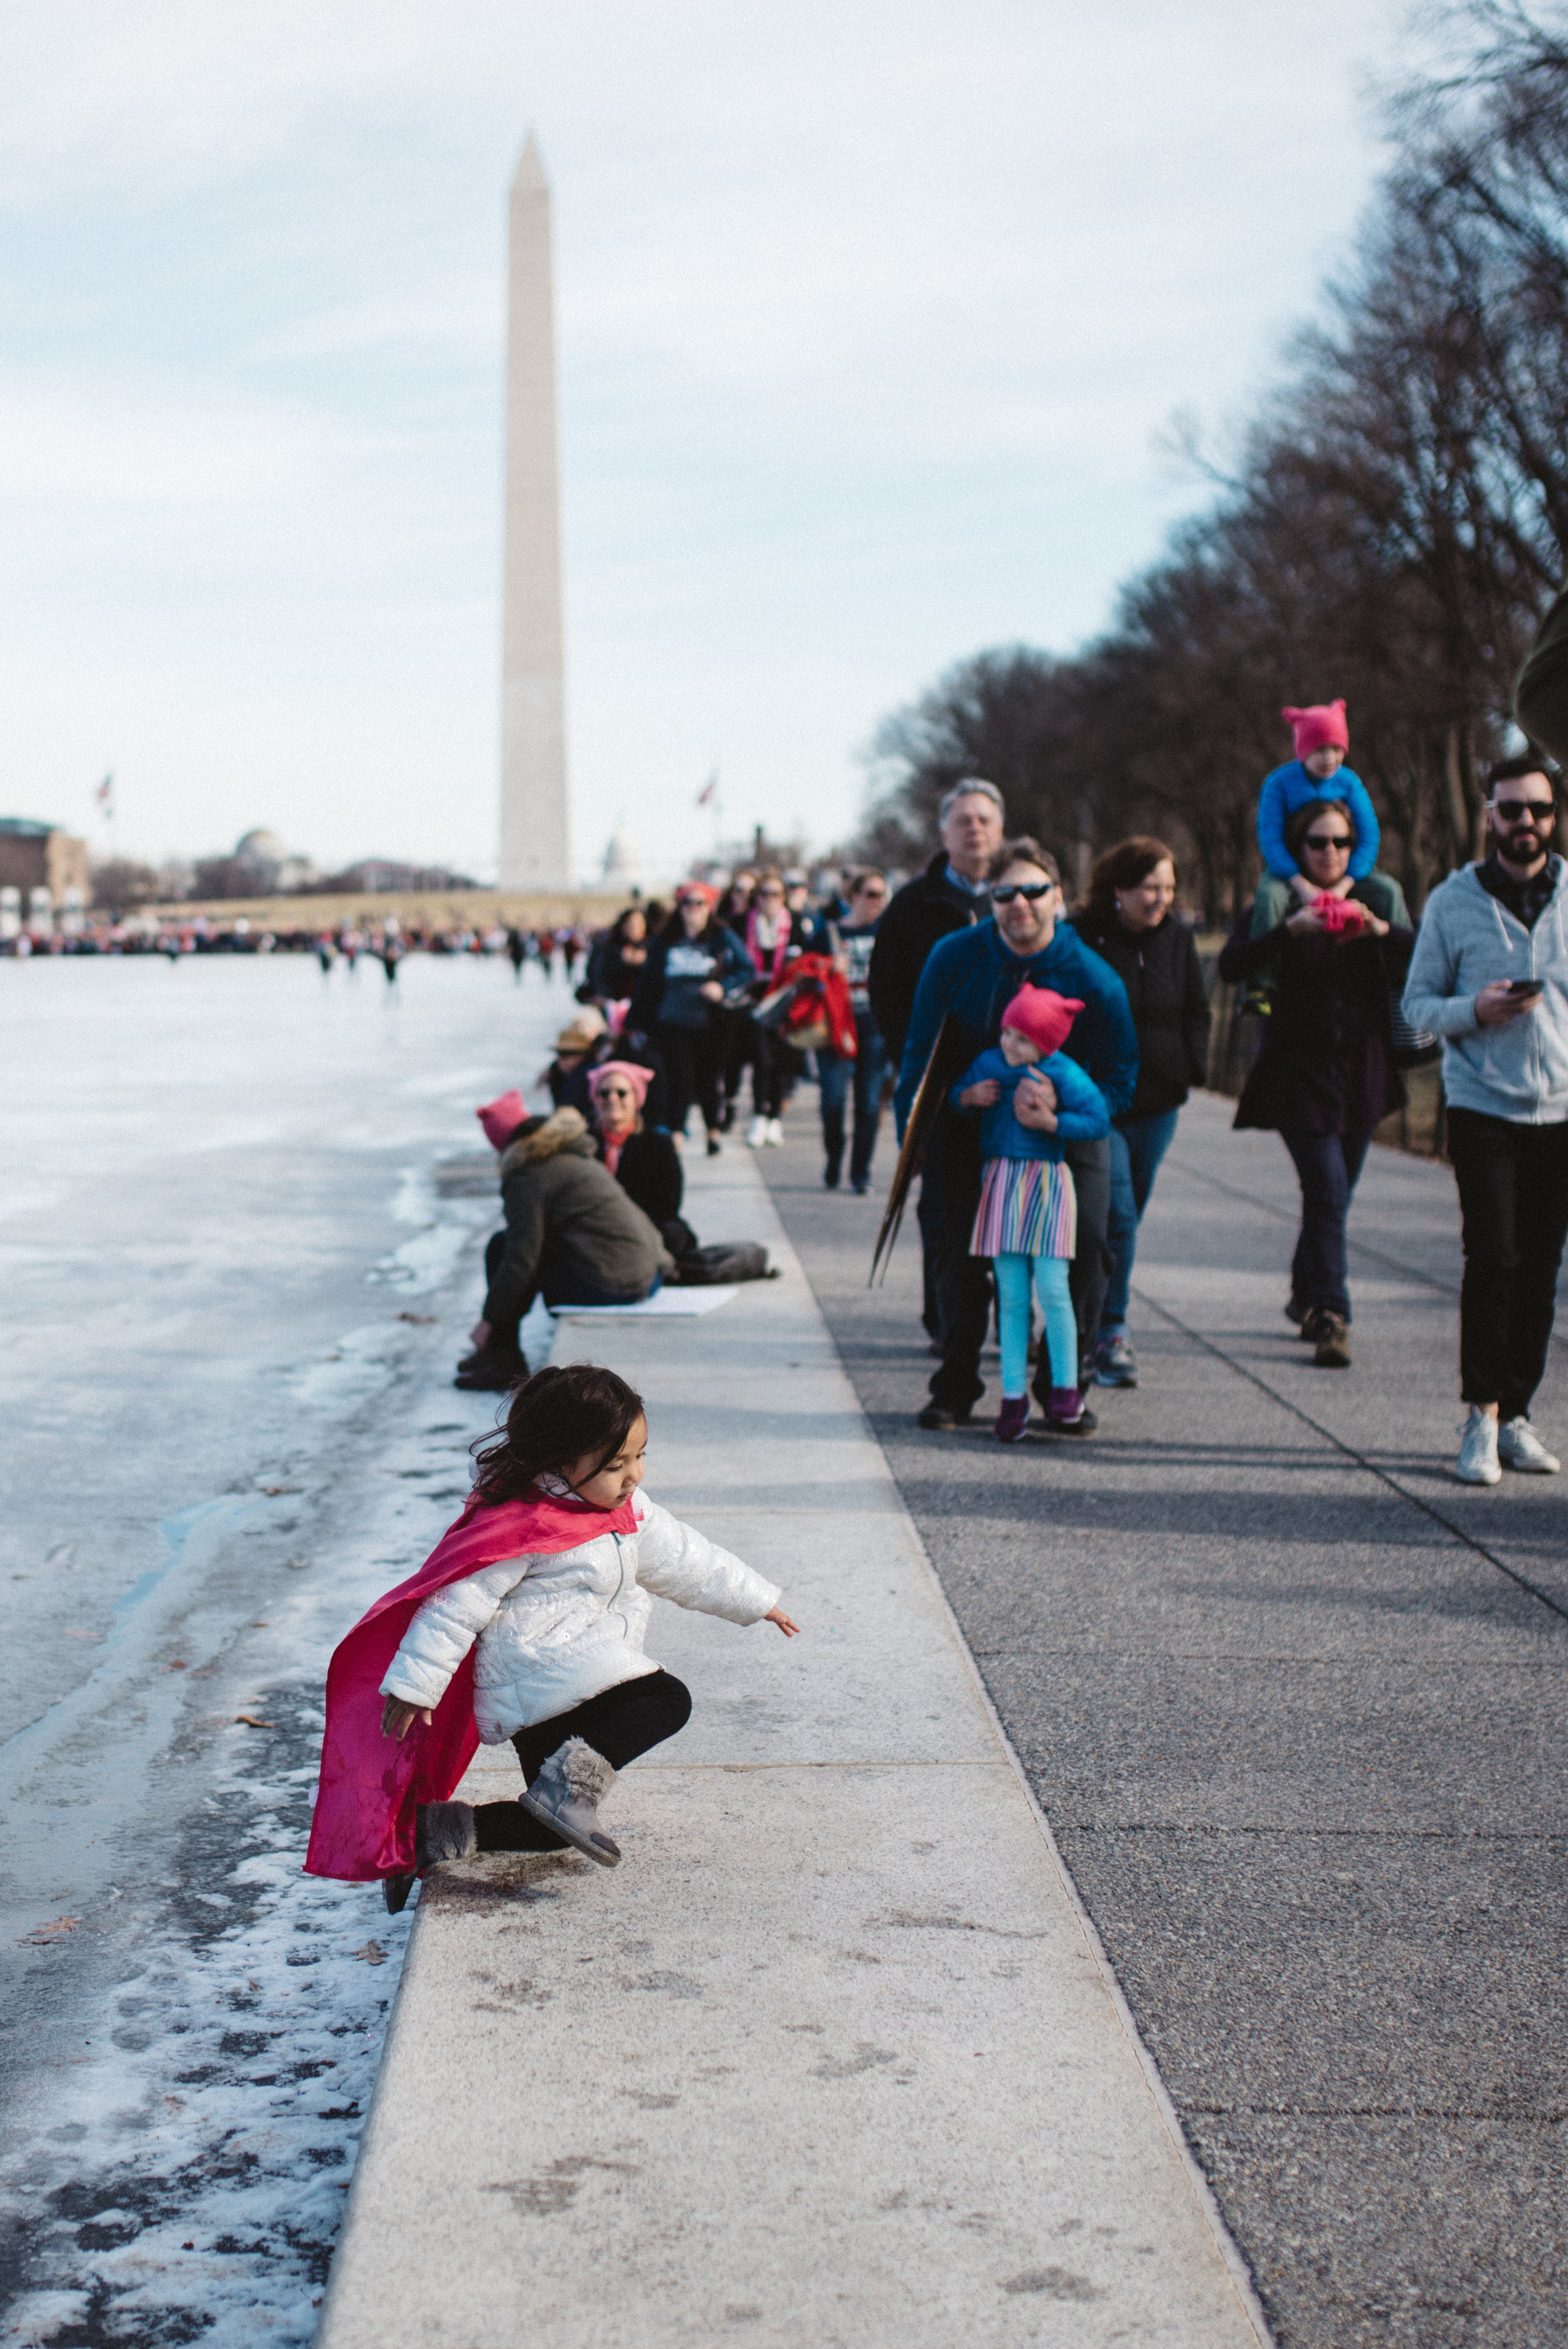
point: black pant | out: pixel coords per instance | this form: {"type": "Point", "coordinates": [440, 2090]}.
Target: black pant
{"type": "Point", "coordinates": [1328, 1168]}
{"type": "Point", "coordinates": [619, 1723]}
{"type": "Point", "coordinates": [776, 1071]}
{"type": "Point", "coordinates": [693, 1058]}
{"type": "Point", "coordinates": [1089, 1274]}
{"type": "Point", "coordinates": [1513, 1201]}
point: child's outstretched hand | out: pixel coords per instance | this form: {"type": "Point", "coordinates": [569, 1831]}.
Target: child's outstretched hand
{"type": "Point", "coordinates": [774, 1615]}
{"type": "Point", "coordinates": [397, 1717]}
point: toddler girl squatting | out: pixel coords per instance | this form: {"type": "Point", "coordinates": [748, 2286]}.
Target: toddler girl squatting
{"type": "Point", "coordinates": [1028, 1218]}
{"type": "Point", "coordinates": [526, 1622]}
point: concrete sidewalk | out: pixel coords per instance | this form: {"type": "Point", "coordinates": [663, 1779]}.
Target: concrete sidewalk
{"type": "Point", "coordinates": [1299, 1723]}
{"type": "Point", "coordinates": [829, 2058]}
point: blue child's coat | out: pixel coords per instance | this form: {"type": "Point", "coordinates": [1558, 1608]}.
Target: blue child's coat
{"type": "Point", "coordinates": [1291, 787]}
{"type": "Point", "coordinates": [1081, 1113]}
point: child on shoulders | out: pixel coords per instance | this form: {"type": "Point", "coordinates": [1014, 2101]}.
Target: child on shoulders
{"type": "Point", "coordinates": [1317, 772]}
{"type": "Point", "coordinates": [1028, 1218]}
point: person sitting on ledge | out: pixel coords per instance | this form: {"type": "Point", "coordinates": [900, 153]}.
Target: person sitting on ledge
{"type": "Point", "coordinates": [572, 1237]}
{"type": "Point", "coordinates": [642, 1159]}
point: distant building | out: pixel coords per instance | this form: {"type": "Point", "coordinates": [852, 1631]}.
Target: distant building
{"type": "Point", "coordinates": [277, 869]}
{"type": "Point", "coordinates": [43, 872]}
{"type": "Point", "coordinates": [622, 864]}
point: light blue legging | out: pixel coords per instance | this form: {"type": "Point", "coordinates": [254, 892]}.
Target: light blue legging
{"type": "Point", "coordinates": [1051, 1282]}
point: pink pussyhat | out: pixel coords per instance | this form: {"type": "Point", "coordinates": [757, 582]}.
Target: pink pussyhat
{"type": "Point", "coordinates": [636, 1076]}
{"type": "Point", "coordinates": [1042, 1016]}
{"type": "Point", "coordinates": [502, 1117]}
{"type": "Point", "coordinates": [1319, 727]}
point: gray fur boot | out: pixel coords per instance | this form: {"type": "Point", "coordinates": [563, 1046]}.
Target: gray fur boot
{"type": "Point", "coordinates": [567, 1793]}
{"type": "Point", "coordinates": [443, 1831]}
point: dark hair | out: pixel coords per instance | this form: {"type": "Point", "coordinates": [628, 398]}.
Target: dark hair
{"type": "Point", "coordinates": [1124, 866]}
{"type": "Point", "coordinates": [556, 1418]}
{"type": "Point", "coordinates": [1523, 763]}
{"type": "Point", "coordinates": [1025, 851]}
{"type": "Point", "coordinates": [855, 882]}
{"type": "Point", "coordinates": [618, 927]}
{"type": "Point", "coordinates": [1301, 821]}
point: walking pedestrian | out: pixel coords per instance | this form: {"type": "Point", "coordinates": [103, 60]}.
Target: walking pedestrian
{"type": "Point", "coordinates": [1130, 923]}
{"type": "Point", "coordinates": [771, 945]}
{"type": "Point", "coordinates": [1489, 976]}
{"type": "Point", "coordinates": [618, 958]}
{"type": "Point", "coordinates": [692, 965]}
{"type": "Point", "coordinates": [543, 1581]}
{"type": "Point", "coordinates": [970, 976]}
{"type": "Point", "coordinates": [1027, 1220]}
{"type": "Point", "coordinates": [950, 894]}
{"type": "Point", "coordinates": [516, 953]}
{"type": "Point", "coordinates": [1325, 1075]}
{"type": "Point", "coordinates": [852, 942]}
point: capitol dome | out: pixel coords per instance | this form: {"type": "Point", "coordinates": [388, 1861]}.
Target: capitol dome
{"type": "Point", "coordinates": [622, 862]}
{"type": "Point", "coordinates": [262, 848]}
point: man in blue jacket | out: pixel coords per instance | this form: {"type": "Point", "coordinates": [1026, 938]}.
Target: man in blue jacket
{"type": "Point", "coordinates": [972, 975]}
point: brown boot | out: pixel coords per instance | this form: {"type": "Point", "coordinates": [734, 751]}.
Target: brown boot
{"type": "Point", "coordinates": [1332, 1332]}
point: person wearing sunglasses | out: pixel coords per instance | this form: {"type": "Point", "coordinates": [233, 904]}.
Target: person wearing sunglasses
{"type": "Point", "coordinates": [1325, 1075]}
{"type": "Point", "coordinates": [971, 977]}
{"type": "Point", "coordinates": [1489, 976]}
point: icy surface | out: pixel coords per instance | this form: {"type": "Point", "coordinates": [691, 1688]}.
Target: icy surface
{"type": "Point", "coordinates": [241, 1212]}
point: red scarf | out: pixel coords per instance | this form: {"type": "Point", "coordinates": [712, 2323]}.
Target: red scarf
{"type": "Point", "coordinates": [371, 1785]}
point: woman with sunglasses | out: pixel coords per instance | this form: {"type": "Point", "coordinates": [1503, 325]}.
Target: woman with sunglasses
{"type": "Point", "coordinates": [1129, 922]}
{"type": "Point", "coordinates": [693, 963]}
{"type": "Point", "coordinates": [1325, 1075]}
{"type": "Point", "coordinates": [852, 941]}
{"type": "Point", "coordinates": [644, 1160]}
{"type": "Point", "coordinates": [770, 943]}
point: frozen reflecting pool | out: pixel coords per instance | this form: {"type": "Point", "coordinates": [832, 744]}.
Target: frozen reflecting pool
{"type": "Point", "coordinates": [241, 1207]}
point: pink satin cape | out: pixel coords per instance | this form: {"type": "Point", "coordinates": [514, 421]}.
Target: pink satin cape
{"type": "Point", "coordinates": [371, 1785]}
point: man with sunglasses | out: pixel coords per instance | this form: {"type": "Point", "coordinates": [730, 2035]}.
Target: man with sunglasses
{"type": "Point", "coordinates": [1489, 976]}
{"type": "Point", "coordinates": [973, 975]}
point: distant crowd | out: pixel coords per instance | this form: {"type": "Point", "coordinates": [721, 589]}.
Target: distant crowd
{"type": "Point", "coordinates": [1043, 1059]}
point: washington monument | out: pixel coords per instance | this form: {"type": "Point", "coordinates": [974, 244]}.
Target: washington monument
{"type": "Point", "coordinates": [535, 846]}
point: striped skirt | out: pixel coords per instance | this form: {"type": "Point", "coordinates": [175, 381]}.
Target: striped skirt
{"type": "Point", "coordinates": [1027, 1208]}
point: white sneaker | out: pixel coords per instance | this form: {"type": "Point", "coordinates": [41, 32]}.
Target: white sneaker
{"type": "Point", "coordinates": [1519, 1446]}
{"type": "Point", "coordinates": [1477, 1463]}
{"type": "Point", "coordinates": [757, 1133]}
{"type": "Point", "coordinates": [775, 1134]}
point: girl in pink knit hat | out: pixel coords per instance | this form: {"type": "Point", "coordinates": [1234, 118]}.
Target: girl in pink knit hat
{"type": "Point", "coordinates": [1028, 1218]}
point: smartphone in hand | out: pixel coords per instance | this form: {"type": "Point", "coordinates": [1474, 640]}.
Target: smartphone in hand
{"type": "Point", "coordinates": [1522, 990]}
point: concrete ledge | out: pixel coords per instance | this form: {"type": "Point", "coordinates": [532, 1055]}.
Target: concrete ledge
{"type": "Point", "coordinates": [829, 2058]}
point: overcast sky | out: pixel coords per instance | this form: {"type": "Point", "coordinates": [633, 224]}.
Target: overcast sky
{"type": "Point", "coordinates": [870, 320]}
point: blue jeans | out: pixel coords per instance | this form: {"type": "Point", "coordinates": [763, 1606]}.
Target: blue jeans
{"type": "Point", "coordinates": [1328, 1166]}
{"type": "Point", "coordinates": [835, 1076]}
{"type": "Point", "coordinates": [1135, 1150]}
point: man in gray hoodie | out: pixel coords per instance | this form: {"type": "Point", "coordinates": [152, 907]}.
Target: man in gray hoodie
{"type": "Point", "coordinates": [1489, 976]}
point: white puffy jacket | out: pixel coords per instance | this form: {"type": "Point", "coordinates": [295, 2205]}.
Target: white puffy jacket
{"type": "Point", "coordinates": [556, 1628]}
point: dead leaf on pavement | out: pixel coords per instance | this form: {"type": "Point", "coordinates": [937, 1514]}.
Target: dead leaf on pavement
{"type": "Point", "coordinates": [51, 1932]}
{"type": "Point", "coordinates": [253, 1721]}
{"type": "Point", "coordinates": [373, 1953]}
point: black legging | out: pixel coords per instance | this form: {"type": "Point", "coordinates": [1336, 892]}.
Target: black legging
{"type": "Point", "coordinates": [619, 1723]}
{"type": "Point", "coordinates": [776, 1071]}
{"type": "Point", "coordinates": [692, 1058]}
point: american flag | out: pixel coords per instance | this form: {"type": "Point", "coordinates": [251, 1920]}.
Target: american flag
{"type": "Point", "coordinates": [705, 797]}
{"type": "Point", "coordinates": [104, 794]}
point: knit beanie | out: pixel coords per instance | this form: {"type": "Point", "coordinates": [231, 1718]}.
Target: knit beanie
{"type": "Point", "coordinates": [1319, 727]}
{"type": "Point", "coordinates": [1042, 1016]}
{"type": "Point", "coordinates": [502, 1117]}
{"type": "Point", "coordinates": [636, 1076]}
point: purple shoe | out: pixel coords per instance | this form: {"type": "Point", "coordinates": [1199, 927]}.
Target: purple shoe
{"type": "Point", "coordinates": [1013, 1419]}
{"type": "Point", "coordinates": [1065, 1412]}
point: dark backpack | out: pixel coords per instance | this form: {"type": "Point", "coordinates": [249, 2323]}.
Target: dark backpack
{"type": "Point", "coordinates": [725, 1260]}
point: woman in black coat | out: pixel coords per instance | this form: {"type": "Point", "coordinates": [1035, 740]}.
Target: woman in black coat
{"type": "Point", "coordinates": [642, 1159]}
{"type": "Point", "coordinates": [617, 959]}
{"type": "Point", "coordinates": [1127, 920]}
{"type": "Point", "coordinates": [692, 965]}
{"type": "Point", "coordinates": [1325, 1076]}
